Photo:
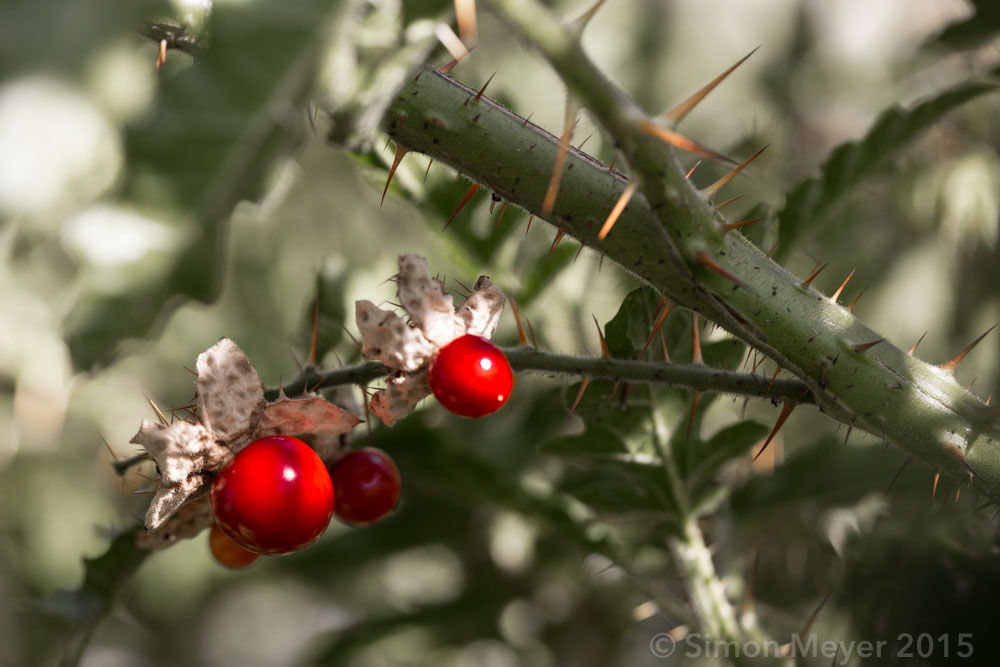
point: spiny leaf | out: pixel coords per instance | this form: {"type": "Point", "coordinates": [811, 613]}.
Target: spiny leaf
{"type": "Point", "coordinates": [812, 201]}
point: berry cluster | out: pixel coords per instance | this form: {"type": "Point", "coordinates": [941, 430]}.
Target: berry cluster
{"type": "Point", "coordinates": [277, 496]}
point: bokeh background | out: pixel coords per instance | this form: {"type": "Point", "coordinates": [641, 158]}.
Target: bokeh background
{"type": "Point", "coordinates": [96, 247]}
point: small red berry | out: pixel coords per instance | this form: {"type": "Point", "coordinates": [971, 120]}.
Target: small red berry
{"type": "Point", "coordinates": [227, 552]}
{"type": "Point", "coordinates": [275, 496]}
{"type": "Point", "coordinates": [471, 376]}
{"type": "Point", "coordinates": [366, 485]}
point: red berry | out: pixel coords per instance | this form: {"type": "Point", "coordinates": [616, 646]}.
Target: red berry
{"type": "Point", "coordinates": [227, 552]}
{"type": "Point", "coordinates": [471, 376]}
{"type": "Point", "coordinates": [366, 484]}
{"type": "Point", "coordinates": [275, 496]}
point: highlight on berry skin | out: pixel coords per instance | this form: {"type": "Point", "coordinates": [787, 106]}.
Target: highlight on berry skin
{"type": "Point", "coordinates": [471, 376]}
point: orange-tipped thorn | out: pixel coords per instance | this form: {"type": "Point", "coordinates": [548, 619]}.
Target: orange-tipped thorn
{"type": "Point", "coordinates": [864, 347]}
{"type": "Point", "coordinates": [919, 340]}
{"type": "Point", "coordinates": [455, 46]}
{"type": "Point", "coordinates": [812, 276]}
{"type": "Point", "coordinates": [773, 378]}
{"type": "Point", "coordinates": [696, 357]}
{"type": "Point", "coordinates": [479, 95]}
{"type": "Point", "coordinates": [770, 252]}
{"type": "Point", "coordinates": [730, 226]}
{"type": "Point", "coordinates": [950, 366]}
{"type": "Point", "coordinates": [665, 309]}
{"type": "Point", "coordinates": [605, 352]}
{"type": "Point", "coordinates": [468, 195]}
{"type": "Point", "coordinates": [580, 145]}
{"type": "Point", "coordinates": [569, 123]}
{"type": "Point", "coordinates": [428, 170]}
{"type": "Point", "coordinates": [786, 409]}
{"type": "Point", "coordinates": [836, 295]}
{"type": "Point", "coordinates": [706, 260]}
{"type": "Point", "coordinates": [577, 255]}
{"type": "Point", "coordinates": [400, 154]}
{"type": "Point", "coordinates": [937, 478]}
{"type": "Point", "coordinates": [677, 114]}
{"type": "Point", "coordinates": [503, 209]}
{"type": "Point", "coordinates": [714, 188]}
{"type": "Point", "coordinates": [691, 170]}
{"type": "Point", "coordinates": [161, 54]}
{"type": "Point", "coordinates": [906, 462]}
{"type": "Point", "coordinates": [156, 409]}
{"type": "Point", "coordinates": [860, 294]}
{"type": "Point", "coordinates": [555, 242]}
{"type": "Point", "coordinates": [584, 383]}
{"type": "Point", "coordinates": [663, 344]}
{"type": "Point", "coordinates": [726, 203]}
{"type": "Point", "coordinates": [678, 140]}
{"type": "Point", "coordinates": [620, 205]}
{"type": "Point", "coordinates": [528, 228]}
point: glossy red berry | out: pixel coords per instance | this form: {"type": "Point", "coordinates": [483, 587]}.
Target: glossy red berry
{"type": "Point", "coordinates": [275, 496]}
{"type": "Point", "coordinates": [471, 376]}
{"type": "Point", "coordinates": [366, 485]}
{"type": "Point", "coordinates": [227, 552]}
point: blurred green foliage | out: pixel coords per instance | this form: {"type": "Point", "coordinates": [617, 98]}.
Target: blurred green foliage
{"type": "Point", "coordinates": [528, 538]}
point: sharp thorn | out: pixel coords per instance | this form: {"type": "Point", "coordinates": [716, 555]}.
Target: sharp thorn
{"type": "Point", "coordinates": [677, 114]}
{"type": "Point", "coordinates": [605, 352]}
{"type": "Point", "coordinates": [580, 146]}
{"type": "Point", "coordinates": [719, 207]}
{"type": "Point", "coordinates": [696, 341]}
{"type": "Point", "coordinates": [770, 252]}
{"type": "Point", "coordinates": [579, 23]}
{"type": "Point", "coordinates": [836, 295]}
{"type": "Point", "coordinates": [664, 309]}
{"type": "Point", "coordinates": [577, 255]}
{"type": "Point", "coordinates": [812, 276]}
{"type": "Point", "coordinates": [907, 461]}
{"type": "Point", "coordinates": [864, 347]}
{"type": "Point", "coordinates": [161, 54]}
{"type": "Point", "coordinates": [730, 226]}
{"type": "Point", "coordinates": [694, 409]}
{"type": "Point", "coordinates": [156, 409]}
{"type": "Point", "coordinates": [611, 166]}
{"type": "Point", "coordinates": [314, 340]}
{"type": "Point", "coordinates": [555, 242]}
{"type": "Point", "coordinates": [849, 429]}
{"type": "Point", "coordinates": [620, 205]}
{"type": "Point", "coordinates": [531, 332]}
{"type": "Point", "coordinates": [677, 140]}
{"type": "Point", "coordinates": [860, 294]}
{"type": "Point", "coordinates": [400, 154]}
{"type": "Point", "coordinates": [522, 339]}
{"type": "Point", "coordinates": [714, 188]}
{"type": "Point", "coordinates": [468, 195]}
{"type": "Point", "coordinates": [691, 170]}
{"type": "Point", "coordinates": [455, 46]}
{"type": "Point", "coordinates": [503, 209]}
{"type": "Point", "coordinates": [919, 340]}
{"type": "Point", "coordinates": [479, 95]}
{"type": "Point", "coordinates": [428, 170]}
{"type": "Point", "coordinates": [584, 383]}
{"type": "Point", "coordinates": [786, 409]}
{"type": "Point", "coordinates": [950, 366]}
{"type": "Point", "coordinates": [773, 378]}
{"type": "Point", "coordinates": [569, 123]}
{"type": "Point", "coordinates": [705, 259]}
{"type": "Point", "coordinates": [937, 478]}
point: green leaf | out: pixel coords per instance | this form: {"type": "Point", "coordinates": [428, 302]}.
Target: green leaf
{"type": "Point", "coordinates": [620, 487]}
{"type": "Point", "coordinates": [812, 201]}
{"type": "Point", "coordinates": [596, 442]}
{"type": "Point", "coordinates": [972, 32]}
{"type": "Point", "coordinates": [706, 458]}
{"type": "Point", "coordinates": [628, 331]}
{"type": "Point", "coordinates": [214, 136]}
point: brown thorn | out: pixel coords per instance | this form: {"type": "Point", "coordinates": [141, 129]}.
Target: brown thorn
{"type": "Point", "coordinates": [580, 146]}
{"type": "Point", "coordinates": [907, 461]}
{"type": "Point", "coordinates": [531, 332]}
{"type": "Point", "coordinates": [612, 165]}
{"type": "Point", "coordinates": [969, 387]}
{"type": "Point", "coordinates": [313, 341]}
{"type": "Point", "coordinates": [503, 209]}
{"type": "Point", "coordinates": [864, 347]}
{"type": "Point", "coordinates": [468, 195]}
{"type": "Point", "coordinates": [726, 203]}
{"type": "Point", "coordinates": [355, 340]}
{"type": "Point", "coordinates": [555, 242]}
{"type": "Point", "coordinates": [527, 118]}
{"type": "Point", "coordinates": [860, 294]}
{"type": "Point", "coordinates": [885, 448]}
{"type": "Point", "coordinates": [950, 366]}
{"type": "Point", "coordinates": [989, 398]}
{"type": "Point", "coordinates": [665, 308]}
{"type": "Point", "coordinates": [695, 341]}
{"type": "Point", "coordinates": [428, 170]}
{"type": "Point", "coordinates": [773, 378]}
{"type": "Point", "coordinates": [522, 339]}
{"type": "Point", "coordinates": [773, 248]}
{"type": "Point", "coordinates": [706, 259]}
{"type": "Point", "coordinates": [600, 263]}
{"type": "Point", "coordinates": [786, 409]}
{"type": "Point", "coordinates": [691, 170]}
{"type": "Point", "coordinates": [400, 154]}
{"type": "Point", "coordinates": [161, 54]}
{"type": "Point", "coordinates": [958, 492]}
{"type": "Point", "coordinates": [569, 123]}
{"type": "Point", "coordinates": [620, 205]}
{"type": "Point", "coordinates": [584, 383]}
{"type": "Point", "coordinates": [579, 23]}
{"type": "Point", "coordinates": [694, 408]}
{"type": "Point", "coordinates": [812, 619]}
{"type": "Point", "coordinates": [677, 114]}
{"type": "Point", "coordinates": [157, 410]}
{"type": "Point", "coordinates": [663, 344]}
{"type": "Point", "coordinates": [528, 228]}
{"type": "Point", "coordinates": [478, 96]}
{"type": "Point", "coordinates": [846, 437]}
{"type": "Point", "coordinates": [577, 255]}
{"type": "Point", "coordinates": [730, 226]}
{"type": "Point", "coordinates": [605, 352]}
{"type": "Point", "coordinates": [714, 188]}
{"type": "Point", "coordinates": [677, 140]}
{"type": "Point", "coordinates": [812, 276]}
{"type": "Point", "coordinates": [937, 478]}
{"type": "Point", "coordinates": [463, 285]}
{"type": "Point", "coordinates": [192, 372]}
{"type": "Point", "coordinates": [836, 295]}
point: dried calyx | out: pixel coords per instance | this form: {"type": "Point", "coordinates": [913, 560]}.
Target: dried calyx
{"type": "Point", "coordinates": [407, 349]}
{"type": "Point", "coordinates": [231, 412]}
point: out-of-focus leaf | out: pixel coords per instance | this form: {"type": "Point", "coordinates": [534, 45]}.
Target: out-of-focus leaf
{"type": "Point", "coordinates": [706, 458]}
{"type": "Point", "coordinates": [215, 133]}
{"type": "Point", "coordinates": [620, 487]}
{"type": "Point", "coordinates": [971, 32]}
{"type": "Point", "coordinates": [596, 442]}
{"type": "Point", "coordinates": [327, 312]}
{"type": "Point", "coordinates": [812, 201]}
